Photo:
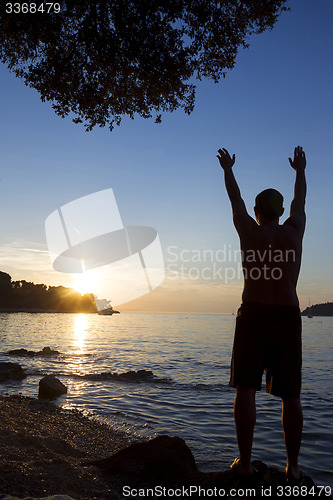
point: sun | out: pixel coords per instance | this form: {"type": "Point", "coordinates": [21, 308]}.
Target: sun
{"type": "Point", "coordinates": [85, 283]}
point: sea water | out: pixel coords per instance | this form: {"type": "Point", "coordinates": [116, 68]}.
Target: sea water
{"type": "Point", "coordinates": [188, 394]}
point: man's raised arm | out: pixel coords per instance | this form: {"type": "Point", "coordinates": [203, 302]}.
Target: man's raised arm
{"type": "Point", "coordinates": [239, 211]}
{"type": "Point", "coordinates": [297, 208]}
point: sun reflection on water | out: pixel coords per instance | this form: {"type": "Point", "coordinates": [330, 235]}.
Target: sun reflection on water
{"type": "Point", "coordinates": [80, 332]}
{"type": "Point", "coordinates": [77, 363]}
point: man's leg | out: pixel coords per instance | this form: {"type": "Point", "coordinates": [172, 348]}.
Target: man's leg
{"type": "Point", "coordinates": [245, 419]}
{"type": "Point", "coordinates": [292, 421]}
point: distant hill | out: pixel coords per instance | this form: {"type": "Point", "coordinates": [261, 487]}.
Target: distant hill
{"type": "Point", "coordinates": [325, 309]}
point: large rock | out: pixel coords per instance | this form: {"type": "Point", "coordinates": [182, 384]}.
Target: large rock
{"type": "Point", "coordinates": [11, 371]}
{"type": "Point", "coordinates": [155, 461]}
{"type": "Point", "coordinates": [167, 464]}
{"type": "Point", "coordinates": [50, 387]}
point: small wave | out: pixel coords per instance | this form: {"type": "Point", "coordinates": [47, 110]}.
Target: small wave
{"type": "Point", "coordinates": [132, 376]}
{"type": "Point", "coordinates": [149, 377]}
{"type": "Point", "coordinates": [79, 355]}
{"type": "Point", "coordinates": [212, 387]}
{"type": "Point", "coordinates": [34, 372]}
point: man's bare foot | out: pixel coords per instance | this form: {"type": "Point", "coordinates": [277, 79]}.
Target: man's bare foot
{"type": "Point", "coordinates": [241, 469]}
{"type": "Point", "coordinates": [293, 473]}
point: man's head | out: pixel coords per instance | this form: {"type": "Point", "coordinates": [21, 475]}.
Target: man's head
{"type": "Point", "coordinates": [269, 205]}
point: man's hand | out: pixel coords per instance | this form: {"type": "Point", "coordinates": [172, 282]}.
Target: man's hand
{"type": "Point", "coordinates": [299, 162]}
{"type": "Point", "coordinates": [225, 159]}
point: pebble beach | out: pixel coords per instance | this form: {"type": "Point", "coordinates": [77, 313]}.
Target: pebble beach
{"type": "Point", "coordinates": [42, 448]}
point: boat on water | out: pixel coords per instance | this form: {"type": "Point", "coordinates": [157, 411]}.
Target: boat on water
{"type": "Point", "coordinates": [310, 315]}
{"type": "Point", "coordinates": [108, 311]}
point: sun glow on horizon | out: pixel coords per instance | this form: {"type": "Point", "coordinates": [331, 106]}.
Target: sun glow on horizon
{"type": "Point", "coordinates": [85, 283]}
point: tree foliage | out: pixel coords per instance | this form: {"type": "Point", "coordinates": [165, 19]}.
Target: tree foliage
{"type": "Point", "coordinates": [105, 59]}
{"type": "Point", "coordinates": [25, 295]}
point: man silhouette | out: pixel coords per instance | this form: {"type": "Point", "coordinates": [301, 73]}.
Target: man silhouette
{"type": "Point", "coordinates": [268, 324]}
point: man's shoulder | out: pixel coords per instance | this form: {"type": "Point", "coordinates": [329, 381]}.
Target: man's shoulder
{"type": "Point", "coordinates": [245, 223]}
{"type": "Point", "coordinates": [277, 236]}
{"type": "Point", "coordinates": [295, 224]}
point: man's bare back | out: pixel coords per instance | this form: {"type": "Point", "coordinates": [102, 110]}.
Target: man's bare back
{"type": "Point", "coordinates": [271, 257]}
{"type": "Point", "coordinates": [271, 253]}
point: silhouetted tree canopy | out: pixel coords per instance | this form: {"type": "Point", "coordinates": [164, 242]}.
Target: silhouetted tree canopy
{"type": "Point", "coordinates": [25, 295]}
{"type": "Point", "coordinates": [104, 59]}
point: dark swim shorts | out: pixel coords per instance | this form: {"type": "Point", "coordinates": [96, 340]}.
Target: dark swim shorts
{"type": "Point", "coordinates": [268, 338]}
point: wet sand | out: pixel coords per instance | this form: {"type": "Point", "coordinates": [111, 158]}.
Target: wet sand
{"type": "Point", "coordinates": [42, 448]}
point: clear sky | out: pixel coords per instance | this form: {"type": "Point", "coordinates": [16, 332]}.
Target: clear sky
{"type": "Point", "coordinates": [167, 176]}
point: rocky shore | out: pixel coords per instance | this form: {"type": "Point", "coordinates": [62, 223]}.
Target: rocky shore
{"type": "Point", "coordinates": [56, 454]}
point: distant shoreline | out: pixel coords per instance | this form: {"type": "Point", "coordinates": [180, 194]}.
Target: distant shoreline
{"type": "Point", "coordinates": [52, 311]}
{"type": "Point", "coordinates": [323, 310]}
